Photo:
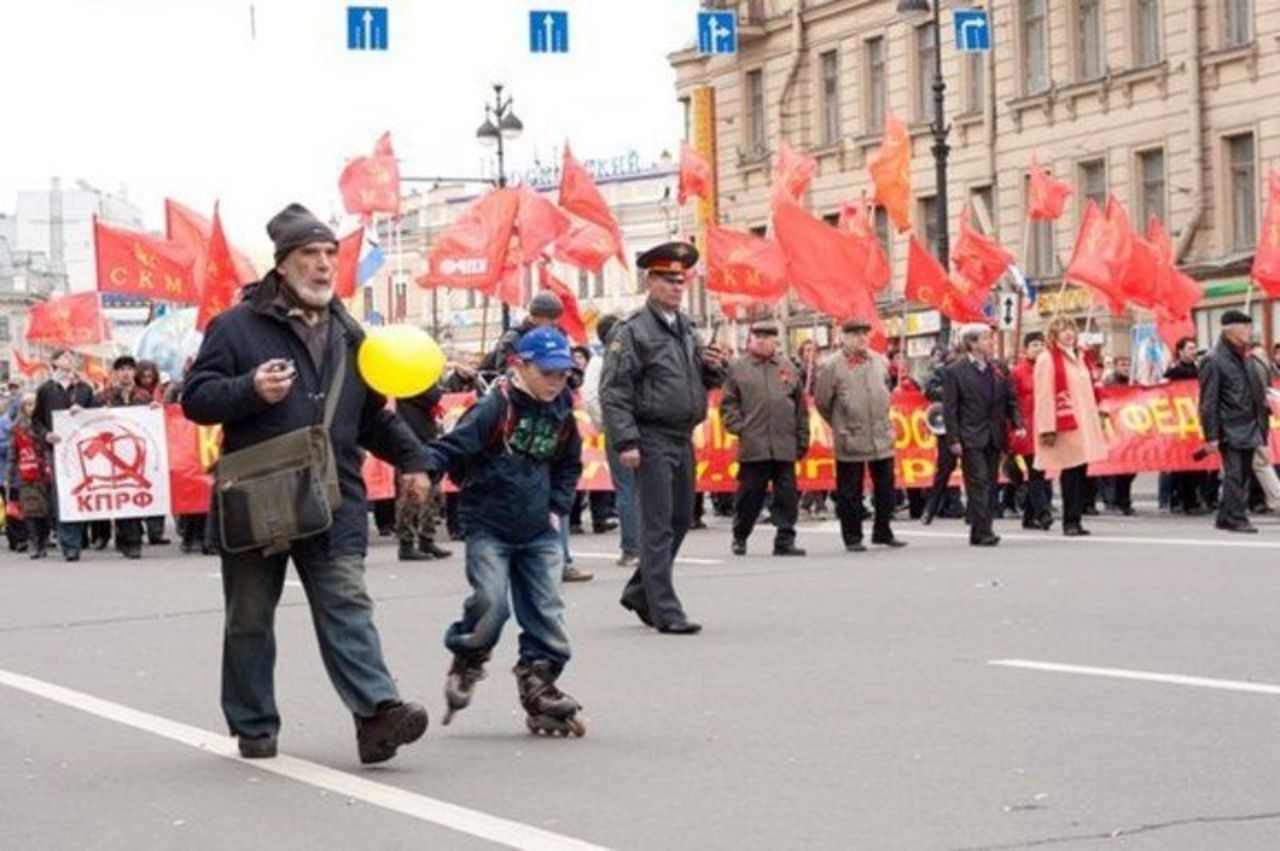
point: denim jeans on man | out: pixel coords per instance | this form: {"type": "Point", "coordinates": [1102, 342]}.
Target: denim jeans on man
{"type": "Point", "coordinates": [529, 574]}
{"type": "Point", "coordinates": [343, 617]}
{"type": "Point", "coordinates": [624, 492]}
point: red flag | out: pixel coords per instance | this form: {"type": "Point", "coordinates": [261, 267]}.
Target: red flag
{"type": "Point", "coordinates": [745, 264]}
{"type": "Point", "coordinates": [792, 172]}
{"type": "Point", "coordinates": [586, 245]}
{"type": "Point", "coordinates": [571, 320]}
{"type": "Point", "coordinates": [1173, 330]}
{"type": "Point", "coordinates": [69, 320]}
{"type": "Point", "coordinates": [580, 196]}
{"type": "Point", "coordinates": [927, 282]}
{"type": "Point", "coordinates": [538, 223]}
{"type": "Point", "coordinates": [221, 284]}
{"type": "Point", "coordinates": [472, 252]}
{"type": "Point", "coordinates": [344, 277]}
{"type": "Point", "coordinates": [826, 267]}
{"type": "Point", "coordinates": [372, 184]}
{"type": "Point", "coordinates": [185, 226]}
{"type": "Point", "coordinates": [695, 176]}
{"type": "Point", "coordinates": [509, 288]}
{"type": "Point", "coordinates": [1266, 260]}
{"type": "Point", "coordinates": [1180, 292]}
{"type": "Point", "coordinates": [890, 171]}
{"type": "Point", "coordinates": [28, 368]}
{"type": "Point", "coordinates": [977, 258]}
{"type": "Point", "coordinates": [138, 264]}
{"type": "Point", "coordinates": [854, 219]}
{"type": "Point", "coordinates": [1046, 197]}
{"type": "Point", "coordinates": [1102, 253]}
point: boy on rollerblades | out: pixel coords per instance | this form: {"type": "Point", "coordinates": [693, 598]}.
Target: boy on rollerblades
{"type": "Point", "coordinates": [516, 456]}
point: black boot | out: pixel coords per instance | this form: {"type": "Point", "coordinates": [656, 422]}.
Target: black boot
{"type": "Point", "coordinates": [409, 552]}
{"type": "Point", "coordinates": [429, 546]}
{"type": "Point", "coordinates": [392, 725]}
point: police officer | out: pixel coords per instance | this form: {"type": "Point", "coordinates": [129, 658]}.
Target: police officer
{"type": "Point", "coordinates": [654, 394]}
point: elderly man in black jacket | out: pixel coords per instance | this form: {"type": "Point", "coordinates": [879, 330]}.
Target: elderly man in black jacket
{"type": "Point", "coordinates": [64, 391]}
{"type": "Point", "coordinates": [978, 405]}
{"type": "Point", "coordinates": [654, 394]}
{"type": "Point", "coordinates": [264, 369]}
{"type": "Point", "coordinates": [1233, 416]}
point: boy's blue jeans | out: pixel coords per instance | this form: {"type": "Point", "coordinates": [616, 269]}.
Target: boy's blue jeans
{"type": "Point", "coordinates": [506, 576]}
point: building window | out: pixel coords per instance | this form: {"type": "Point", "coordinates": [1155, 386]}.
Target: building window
{"type": "Point", "coordinates": [1151, 173]}
{"type": "Point", "coordinates": [929, 223]}
{"type": "Point", "coordinates": [4, 329]}
{"type": "Point", "coordinates": [597, 284]}
{"type": "Point", "coordinates": [1035, 46]}
{"type": "Point", "coordinates": [686, 110]}
{"type": "Point", "coordinates": [755, 112]}
{"type": "Point", "coordinates": [983, 199]}
{"type": "Point", "coordinates": [1241, 185]}
{"type": "Point", "coordinates": [926, 56]}
{"type": "Point", "coordinates": [1040, 258]}
{"type": "Point", "coordinates": [975, 82]}
{"type": "Point", "coordinates": [368, 301]}
{"type": "Point", "coordinates": [1237, 22]}
{"type": "Point", "coordinates": [402, 300]}
{"type": "Point", "coordinates": [1146, 32]}
{"type": "Point", "coordinates": [875, 85]}
{"type": "Point", "coordinates": [473, 299]}
{"type": "Point", "coordinates": [1090, 50]}
{"type": "Point", "coordinates": [883, 234]}
{"type": "Point", "coordinates": [584, 283]}
{"type": "Point", "coordinates": [830, 97]}
{"type": "Point", "coordinates": [1093, 183]}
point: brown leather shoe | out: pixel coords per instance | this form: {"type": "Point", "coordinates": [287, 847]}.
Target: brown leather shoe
{"type": "Point", "coordinates": [393, 725]}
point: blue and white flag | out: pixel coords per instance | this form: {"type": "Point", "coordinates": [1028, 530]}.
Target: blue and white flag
{"type": "Point", "coordinates": [1027, 285]}
{"type": "Point", "coordinates": [371, 258]}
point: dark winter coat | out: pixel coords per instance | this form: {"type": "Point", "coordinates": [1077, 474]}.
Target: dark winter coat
{"type": "Point", "coordinates": [219, 390]}
{"type": "Point", "coordinates": [515, 460]}
{"type": "Point", "coordinates": [1233, 399]}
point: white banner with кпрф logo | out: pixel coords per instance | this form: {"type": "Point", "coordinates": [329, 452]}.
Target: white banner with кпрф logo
{"type": "Point", "coordinates": [111, 464]}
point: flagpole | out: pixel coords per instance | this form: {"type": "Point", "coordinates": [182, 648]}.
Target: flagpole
{"type": "Point", "coordinates": [1017, 321]}
{"type": "Point", "coordinates": [484, 326]}
{"type": "Point", "coordinates": [1248, 294]}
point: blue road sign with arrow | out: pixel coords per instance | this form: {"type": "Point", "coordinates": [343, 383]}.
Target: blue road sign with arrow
{"type": "Point", "coordinates": [548, 32]}
{"type": "Point", "coordinates": [973, 30]}
{"type": "Point", "coordinates": [717, 32]}
{"type": "Point", "coordinates": [366, 28]}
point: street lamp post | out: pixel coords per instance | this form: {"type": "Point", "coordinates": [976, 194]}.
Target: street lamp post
{"type": "Point", "coordinates": [941, 150]}
{"type": "Point", "coordinates": [500, 124]}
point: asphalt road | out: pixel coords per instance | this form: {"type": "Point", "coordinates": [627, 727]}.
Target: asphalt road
{"type": "Point", "coordinates": [835, 701]}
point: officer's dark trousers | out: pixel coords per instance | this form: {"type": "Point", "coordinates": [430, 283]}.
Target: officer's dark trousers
{"type": "Point", "coordinates": [1237, 468]}
{"type": "Point", "coordinates": [341, 612]}
{"type": "Point", "coordinates": [753, 485]}
{"type": "Point", "coordinates": [664, 492]}
{"type": "Point", "coordinates": [980, 467]}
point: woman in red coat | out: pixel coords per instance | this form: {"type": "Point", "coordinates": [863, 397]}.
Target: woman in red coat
{"type": "Point", "coordinates": [1037, 512]}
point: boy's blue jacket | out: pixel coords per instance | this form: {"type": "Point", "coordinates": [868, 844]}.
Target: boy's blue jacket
{"type": "Point", "coordinates": [513, 469]}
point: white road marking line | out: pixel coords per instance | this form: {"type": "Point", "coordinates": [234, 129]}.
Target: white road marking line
{"type": "Point", "coordinates": [1143, 676]}
{"type": "Point", "coordinates": [1059, 538]}
{"type": "Point", "coordinates": [441, 813]}
{"type": "Point", "coordinates": [614, 557]}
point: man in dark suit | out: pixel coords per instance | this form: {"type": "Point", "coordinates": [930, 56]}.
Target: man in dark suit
{"type": "Point", "coordinates": [977, 405]}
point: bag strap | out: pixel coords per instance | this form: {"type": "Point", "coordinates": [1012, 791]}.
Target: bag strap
{"type": "Point", "coordinates": [335, 385]}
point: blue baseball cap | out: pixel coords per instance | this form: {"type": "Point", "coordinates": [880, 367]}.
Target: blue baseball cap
{"type": "Point", "coordinates": [545, 348]}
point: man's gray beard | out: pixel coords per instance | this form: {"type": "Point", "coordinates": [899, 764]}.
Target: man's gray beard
{"type": "Point", "coordinates": [309, 298]}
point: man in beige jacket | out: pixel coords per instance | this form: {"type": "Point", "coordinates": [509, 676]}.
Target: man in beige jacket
{"type": "Point", "coordinates": [853, 396]}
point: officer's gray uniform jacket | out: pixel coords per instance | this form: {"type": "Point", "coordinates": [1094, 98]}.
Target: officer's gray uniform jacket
{"type": "Point", "coordinates": [654, 379]}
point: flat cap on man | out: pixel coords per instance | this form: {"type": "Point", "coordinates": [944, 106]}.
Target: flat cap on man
{"type": "Point", "coordinates": [765, 328]}
{"type": "Point", "coordinates": [853, 326]}
{"type": "Point", "coordinates": [294, 227]}
{"type": "Point", "coordinates": [670, 257]}
{"type": "Point", "coordinates": [1236, 317]}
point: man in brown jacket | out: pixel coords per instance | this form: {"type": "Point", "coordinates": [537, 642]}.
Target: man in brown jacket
{"type": "Point", "coordinates": [853, 396]}
{"type": "Point", "coordinates": [763, 405]}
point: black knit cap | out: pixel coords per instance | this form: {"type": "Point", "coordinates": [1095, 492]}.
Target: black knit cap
{"type": "Point", "coordinates": [294, 227]}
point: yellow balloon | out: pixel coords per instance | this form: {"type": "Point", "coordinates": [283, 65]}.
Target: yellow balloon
{"type": "Point", "coordinates": [400, 361]}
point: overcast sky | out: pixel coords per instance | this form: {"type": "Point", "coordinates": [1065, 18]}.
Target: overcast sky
{"type": "Point", "coordinates": [175, 97]}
